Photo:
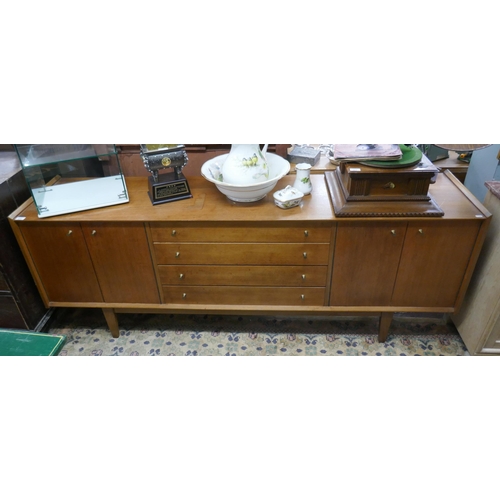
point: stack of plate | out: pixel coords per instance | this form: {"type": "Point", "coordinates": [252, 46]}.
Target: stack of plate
{"type": "Point", "coordinates": [411, 156]}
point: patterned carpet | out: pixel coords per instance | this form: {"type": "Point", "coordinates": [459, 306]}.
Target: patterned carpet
{"type": "Point", "coordinates": [205, 335]}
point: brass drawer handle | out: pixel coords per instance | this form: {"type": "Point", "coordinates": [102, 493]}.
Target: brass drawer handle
{"type": "Point", "coordinates": [70, 232]}
{"type": "Point", "coordinates": [303, 277]}
{"type": "Point", "coordinates": [303, 297]}
{"type": "Point", "coordinates": [421, 231]}
{"type": "Point", "coordinates": [390, 185]}
{"type": "Point", "coordinates": [393, 232]}
{"type": "Point", "coordinates": [174, 232]}
{"type": "Point", "coordinates": [177, 255]}
{"type": "Point", "coordinates": [181, 276]}
{"type": "Point", "coordinates": [306, 233]}
{"type": "Point", "coordinates": [94, 232]}
{"type": "Point", "coordinates": [184, 295]}
{"type": "Point", "coordinates": [305, 255]}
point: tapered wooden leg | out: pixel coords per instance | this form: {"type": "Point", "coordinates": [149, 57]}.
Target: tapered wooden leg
{"type": "Point", "coordinates": [384, 325]}
{"type": "Point", "coordinates": [112, 322]}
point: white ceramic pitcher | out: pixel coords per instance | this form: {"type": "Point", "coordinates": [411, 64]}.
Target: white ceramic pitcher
{"type": "Point", "coordinates": [245, 165]}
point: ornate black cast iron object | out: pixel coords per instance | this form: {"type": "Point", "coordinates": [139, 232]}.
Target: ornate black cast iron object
{"type": "Point", "coordinates": [169, 186]}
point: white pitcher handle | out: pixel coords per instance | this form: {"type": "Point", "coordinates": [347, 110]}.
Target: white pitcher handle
{"type": "Point", "coordinates": [264, 149]}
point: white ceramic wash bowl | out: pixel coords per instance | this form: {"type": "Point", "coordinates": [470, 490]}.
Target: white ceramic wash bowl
{"type": "Point", "coordinates": [278, 168]}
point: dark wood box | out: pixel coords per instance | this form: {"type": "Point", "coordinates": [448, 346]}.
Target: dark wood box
{"type": "Point", "coordinates": [362, 191]}
{"type": "Point", "coordinates": [360, 182]}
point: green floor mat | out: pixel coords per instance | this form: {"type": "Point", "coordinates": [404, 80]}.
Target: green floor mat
{"type": "Point", "coordinates": [26, 343]}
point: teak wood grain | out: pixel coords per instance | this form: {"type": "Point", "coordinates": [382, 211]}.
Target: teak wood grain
{"type": "Point", "coordinates": [254, 258]}
{"type": "Point", "coordinates": [122, 261]}
{"type": "Point", "coordinates": [365, 262]}
{"type": "Point", "coordinates": [62, 262]}
{"type": "Point", "coordinates": [210, 206]}
{"type": "Point", "coordinates": [249, 295]}
{"type": "Point", "coordinates": [428, 274]}
{"type": "Point", "coordinates": [241, 275]}
{"type": "Point", "coordinates": [169, 233]}
{"type": "Point", "coordinates": [276, 254]}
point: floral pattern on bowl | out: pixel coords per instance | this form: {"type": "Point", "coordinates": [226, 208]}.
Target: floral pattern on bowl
{"type": "Point", "coordinates": [212, 171]}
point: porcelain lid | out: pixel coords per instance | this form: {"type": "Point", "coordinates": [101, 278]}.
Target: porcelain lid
{"type": "Point", "coordinates": [288, 194]}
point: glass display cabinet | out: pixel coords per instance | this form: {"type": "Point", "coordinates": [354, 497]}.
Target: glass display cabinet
{"type": "Point", "coordinates": [65, 178]}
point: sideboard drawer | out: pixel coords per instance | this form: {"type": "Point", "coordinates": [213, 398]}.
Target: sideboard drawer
{"type": "Point", "coordinates": [242, 254]}
{"type": "Point", "coordinates": [243, 275]}
{"type": "Point", "coordinates": [253, 296]}
{"type": "Point", "coordinates": [161, 232]}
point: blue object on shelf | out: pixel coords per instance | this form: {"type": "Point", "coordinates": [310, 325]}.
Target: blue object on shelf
{"type": "Point", "coordinates": [484, 166]}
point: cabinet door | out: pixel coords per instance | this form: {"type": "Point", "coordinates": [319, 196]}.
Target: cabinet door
{"type": "Point", "coordinates": [122, 262]}
{"type": "Point", "coordinates": [365, 263]}
{"type": "Point", "coordinates": [61, 258]}
{"type": "Point", "coordinates": [433, 263]}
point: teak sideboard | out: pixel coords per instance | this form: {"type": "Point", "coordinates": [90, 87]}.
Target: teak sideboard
{"type": "Point", "coordinates": [209, 255]}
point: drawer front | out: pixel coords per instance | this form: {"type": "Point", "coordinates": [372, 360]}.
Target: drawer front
{"type": "Point", "coordinates": [171, 233]}
{"type": "Point", "coordinates": [299, 276]}
{"type": "Point", "coordinates": [242, 254]}
{"type": "Point", "coordinates": [253, 296]}
{"type": "Point", "coordinates": [398, 186]}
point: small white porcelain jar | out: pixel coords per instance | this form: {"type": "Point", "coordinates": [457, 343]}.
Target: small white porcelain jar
{"type": "Point", "coordinates": [303, 179]}
{"type": "Point", "coordinates": [288, 197]}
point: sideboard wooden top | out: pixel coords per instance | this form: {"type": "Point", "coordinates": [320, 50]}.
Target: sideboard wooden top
{"type": "Point", "coordinates": [208, 204]}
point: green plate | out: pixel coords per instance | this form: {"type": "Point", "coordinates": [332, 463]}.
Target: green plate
{"type": "Point", "coordinates": [411, 156]}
